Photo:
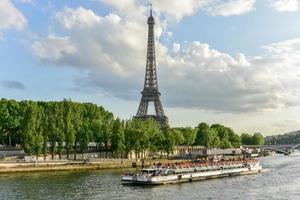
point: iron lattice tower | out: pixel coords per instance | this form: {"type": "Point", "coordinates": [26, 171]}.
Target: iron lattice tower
{"type": "Point", "coordinates": [150, 92]}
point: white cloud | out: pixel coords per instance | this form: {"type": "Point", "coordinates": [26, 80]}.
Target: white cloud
{"type": "Point", "coordinates": [285, 5]}
{"type": "Point", "coordinates": [103, 42]}
{"type": "Point", "coordinates": [177, 9]}
{"type": "Point", "coordinates": [53, 48]}
{"type": "Point", "coordinates": [287, 46]}
{"type": "Point", "coordinates": [27, 1]}
{"type": "Point", "coordinates": [234, 84]}
{"type": "Point", "coordinates": [79, 17]}
{"type": "Point", "coordinates": [231, 7]}
{"type": "Point", "coordinates": [11, 17]}
{"type": "Point", "coordinates": [112, 51]}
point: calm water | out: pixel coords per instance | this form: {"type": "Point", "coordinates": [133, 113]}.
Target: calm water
{"type": "Point", "coordinates": [281, 180]}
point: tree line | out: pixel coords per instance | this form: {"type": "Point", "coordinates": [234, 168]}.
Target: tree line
{"type": "Point", "coordinates": [67, 127]}
{"type": "Point", "coordinates": [288, 138]}
{"type": "Point", "coordinates": [255, 139]}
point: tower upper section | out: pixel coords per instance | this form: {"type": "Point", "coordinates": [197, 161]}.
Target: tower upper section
{"type": "Point", "coordinates": [151, 20]}
{"type": "Point", "coordinates": [151, 74]}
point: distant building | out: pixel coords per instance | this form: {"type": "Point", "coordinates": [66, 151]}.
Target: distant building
{"type": "Point", "coordinates": [11, 152]}
{"type": "Point", "coordinates": [190, 151]}
{"type": "Point", "coordinates": [224, 152]}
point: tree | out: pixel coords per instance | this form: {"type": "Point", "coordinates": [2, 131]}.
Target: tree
{"type": "Point", "coordinates": [85, 135]}
{"type": "Point", "coordinates": [201, 130]}
{"type": "Point", "coordinates": [29, 127]}
{"type": "Point", "coordinates": [77, 123]}
{"type": "Point", "coordinates": [43, 127]}
{"type": "Point", "coordinates": [107, 124]}
{"type": "Point", "coordinates": [4, 115]}
{"type": "Point", "coordinates": [133, 136]}
{"type": "Point", "coordinates": [222, 133]}
{"type": "Point", "coordinates": [211, 138]}
{"type": "Point", "coordinates": [189, 135]}
{"type": "Point", "coordinates": [235, 140]}
{"type": "Point", "coordinates": [178, 136]}
{"type": "Point", "coordinates": [98, 133]}
{"type": "Point", "coordinates": [68, 127]}
{"type": "Point", "coordinates": [168, 142]}
{"type": "Point", "coordinates": [149, 128]}
{"type": "Point", "coordinates": [246, 139]}
{"type": "Point", "coordinates": [118, 138]}
{"type": "Point", "coordinates": [10, 120]}
{"type": "Point", "coordinates": [53, 127]}
{"type": "Point", "coordinates": [32, 138]}
{"type": "Point", "coordinates": [258, 139]}
{"type": "Point", "coordinates": [140, 136]}
{"type": "Point", "coordinates": [129, 138]}
{"type": "Point", "coordinates": [39, 137]}
{"type": "Point", "coordinates": [156, 142]}
{"type": "Point", "coordinates": [59, 116]}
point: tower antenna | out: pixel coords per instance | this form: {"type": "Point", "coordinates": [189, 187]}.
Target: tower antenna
{"type": "Point", "coordinates": [150, 9]}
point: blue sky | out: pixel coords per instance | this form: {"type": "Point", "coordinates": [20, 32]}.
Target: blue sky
{"type": "Point", "coordinates": [234, 62]}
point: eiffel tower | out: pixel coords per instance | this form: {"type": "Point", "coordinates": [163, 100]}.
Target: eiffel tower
{"type": "Point", "coordinates": [150, 92]}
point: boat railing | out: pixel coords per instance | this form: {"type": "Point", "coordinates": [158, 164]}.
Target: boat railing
{"type": "Point", "coordinates": [169, 169]}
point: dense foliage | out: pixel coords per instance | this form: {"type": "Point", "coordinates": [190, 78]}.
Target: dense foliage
{"type": "Point", "coordinates": [67, 127]}
{"type": "Point", "coordinates": [216, 136]}
{"type": "Point", "coordinates": [288, 138]}
{"type": "Point", "coordinates": [256, 139]}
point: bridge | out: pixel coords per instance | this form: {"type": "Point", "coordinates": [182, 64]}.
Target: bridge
{"type": "Point", "coordinates": [285, 149]}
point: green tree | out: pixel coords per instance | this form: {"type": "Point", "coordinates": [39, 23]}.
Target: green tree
{"type": "Point", "coordinates": [168, 142]}
{"type": "Point", "coordinates": [258, 139]}
{"type": "Point", "coordinates": [52, 127]}
{"type": "Point", "coordinates": [98, 133]}
{"type": "Point", "coordinates": [154, 136]}
{"type": "Point", "coordinates": [118, 138]}
{"type": "Point", "coordinates": [246, 139]}
{"type": "Point", "coordinates": [178, 136]}
{"type": "Point", "coordinates": [96, 127]}
{"type": "Point", "coordinates": [211, 139]}
{"type": "Point", "coordinates": [223, 134]}
{"type": "Point", "coordinates": [137, 136]}
{"type": "Point", "coordinates": [60, 127]}
{"type": "Point", "coordinates": [4, 115]}
{"type": "Point", "coordinates": [132, 139]}
{"type": "Point", "coordinates": [107, 125]}
{"type": "Point", "coordinates": [10, 120]}
{"type": "Point", "coordinates": [68, 127]}
{"type": "Point", "coordinates": [29, 127]}
{"type": "Point", "coordinates": [85, 135]}
{"type": "Point", "coordinates": [189, 135]}
{"type": "Point", "coordinates": [77, 123]}
{"type": "Point", "coordinates": [235, 140]}
{"type": "Point", "coordinates": [32, 138]}
{"type": "Point", "coordinates": [201, 130]}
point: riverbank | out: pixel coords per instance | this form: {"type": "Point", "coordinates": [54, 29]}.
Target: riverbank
{"type": "Point", "coordinates": [65, 165]}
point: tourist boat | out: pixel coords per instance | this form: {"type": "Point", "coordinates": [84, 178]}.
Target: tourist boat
{"type": "Point", "coordinates": [157, 175]}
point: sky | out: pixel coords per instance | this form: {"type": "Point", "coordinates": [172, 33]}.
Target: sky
{"type": "Point", "coordinates": [234, 62]}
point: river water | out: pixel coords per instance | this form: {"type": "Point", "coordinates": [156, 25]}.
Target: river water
{"type": "Point", "coordinates": [280, 180]}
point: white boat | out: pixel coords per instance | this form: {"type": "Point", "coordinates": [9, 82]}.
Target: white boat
{"type": "Point", "coordinates": [165, 175]}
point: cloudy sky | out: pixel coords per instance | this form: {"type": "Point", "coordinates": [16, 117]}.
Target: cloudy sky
{"type": "Point", "coordinates": [235, 62]}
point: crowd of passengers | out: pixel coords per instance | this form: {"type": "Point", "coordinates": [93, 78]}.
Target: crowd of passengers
{"type": "Point", "coordinates": [192, 164]}
{"type": "Point", "coordinates": [202, 163]}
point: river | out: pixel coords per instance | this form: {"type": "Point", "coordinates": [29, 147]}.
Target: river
{"type": "Point", "coordinates": [280, 180]}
